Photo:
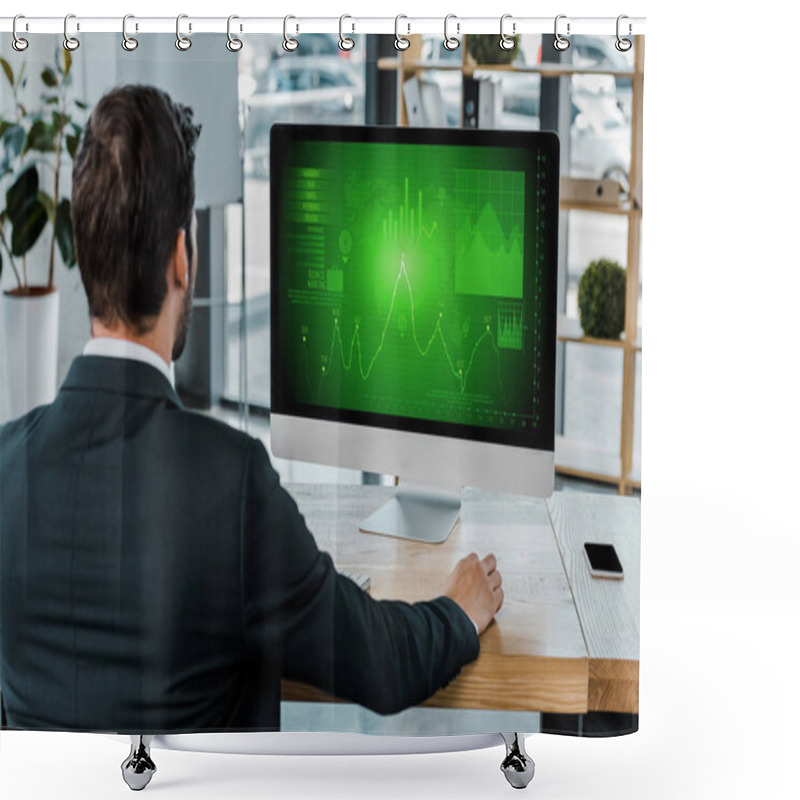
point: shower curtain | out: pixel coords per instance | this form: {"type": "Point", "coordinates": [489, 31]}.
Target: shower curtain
{"type": "Point", "coordinates": [388, 308]}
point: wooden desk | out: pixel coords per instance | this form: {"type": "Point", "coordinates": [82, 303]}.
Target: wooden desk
{"type": "Point", "coordinates": [556, 644]}
{"type": "Point", "coordinates": [608, 609]}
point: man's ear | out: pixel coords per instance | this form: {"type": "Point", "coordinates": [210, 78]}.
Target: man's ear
{"type": "Point", "coordinates": [180, 261]}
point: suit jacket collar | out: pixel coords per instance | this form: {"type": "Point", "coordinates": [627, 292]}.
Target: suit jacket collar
{"type": "Point", "coordinates": [119, 375]}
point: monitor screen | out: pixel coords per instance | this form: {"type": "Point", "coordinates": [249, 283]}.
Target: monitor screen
{"type": "Point", "coordinates": [413, 279]}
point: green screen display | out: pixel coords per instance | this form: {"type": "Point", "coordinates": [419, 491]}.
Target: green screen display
{"type": "Point", "coordinates": [410, 280]}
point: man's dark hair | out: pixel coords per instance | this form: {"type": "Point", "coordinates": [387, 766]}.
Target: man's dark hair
{"type": "Point", "coordinates": [132, 192]}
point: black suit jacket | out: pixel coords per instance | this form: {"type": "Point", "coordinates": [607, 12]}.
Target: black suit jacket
{"type": "Point", "coordinates": [155, 576]}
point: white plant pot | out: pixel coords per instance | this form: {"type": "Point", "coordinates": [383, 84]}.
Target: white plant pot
{"type": "Point", "coordinates": [29, 347]}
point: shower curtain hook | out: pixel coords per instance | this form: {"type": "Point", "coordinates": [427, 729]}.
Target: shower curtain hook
{"type": "Point", "coordinates": [345, 42]}
{"type": "Point", "coordinates": [451, 42]}
{"type": "Point", "coordinates": [233, 44]}
{"type": "Point", "coordinates": [507, 42]}
{"type": "Point", "coordinates": [182, 42]}
{"type": "Point", "coordinates": [561, 43]}
{"type": "Point", "coordinates": [19, 44]}
{"type": "Point", "coordinates": [623, 45]}
{"type": "Point", "coordinates": [128, 42]}
{"type": "Point", "coordinates": [289, 44]}
{"type": "Point", "coordinates": [400, 42]}
{"type": "Point", "coordinates": [70, 42]}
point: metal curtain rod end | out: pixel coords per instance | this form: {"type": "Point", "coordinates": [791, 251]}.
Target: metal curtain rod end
{"type": "Point", "coordinates": [233, 44]}
{"type": "Point", "coordinates": [70, 42]}
{"type": "Point", "coordinates": [451, 42]}
{"type": "Point", "coordinates": [289, 43]}
{"type": "Point", "coordinates": [623, 45]}
{"type": "Point", "coordinates": [181, 41]}
{"type": "Point", "coordinates": [560, 42]}
{"type": "Point", "coordinates": [19, 44]}
{"type": "Point", "coordinates": [128, 42]}
{"type": "Point", "coordinates": [401, 42]}
{"type": "Point", "coordinates": [507, 42]}
{"type": "Point", "coordinates": [345, 42]}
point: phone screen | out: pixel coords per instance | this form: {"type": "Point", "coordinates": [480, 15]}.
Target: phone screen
{"type": "Point", "coordinates": [603, 557]}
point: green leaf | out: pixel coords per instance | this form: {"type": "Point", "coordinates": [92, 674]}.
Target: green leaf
{"type": "Point", "coordinates": [13, 141]}
{"type": "Point", "coordinates": [8, 71]}
{"type": "Point", "coordinates": [41, 137]}
{"type": "Point", "coordinates": [28, 227]}
{"type": "Point", "coordinates": [49, 205]}
{"type": "Point", "coordinates": [20, 81]}
{"type": "Point", "coordinates": [64, 237]}
{"type": "Point", "coordinates": [24, 188]}
{"type": "Point", "coordinates": [49, 77]}
{"type": "Point", "coordinates": [59, 121]}
{"type": "Point", "coordinates": [50, 99]}
{"type": "Point", "coordinates": [4, 126]}
{"type": "Point", "coordinates": [67, 61]}
{"type": "Point", "coordinates": [72, 146]}
{"type": "Point", "coordinates": [81, 105]}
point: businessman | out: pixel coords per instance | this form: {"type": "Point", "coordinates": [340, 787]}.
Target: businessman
{"type": "Point", "coordinates": [154, 575]}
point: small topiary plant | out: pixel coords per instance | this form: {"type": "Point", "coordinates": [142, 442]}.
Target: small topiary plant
{"type": "Point", "coordinates": [601, 299]}
{"type": "Point", "coordinates": [485, 49]}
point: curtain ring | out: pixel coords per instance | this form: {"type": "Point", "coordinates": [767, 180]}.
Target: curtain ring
{"type": "Point", "coordinates": [345, 42]}
{"type": "Point", "coordinates": [400, 42]}
{"type": "Point", "coordinates": [507, 42]}
{"type": "Point", "coordinates": [623, 45]}
{"type": "Point", "coordinates": [560, 43]}
{"type": "Point", "coordinates": [181, 42]}
{"type": "Point", "coordinates": [128, 42]}
{"type": "Point", "coordinates": [19, 44]}
{"type": "Point", "coordinates": [233, 44]}
{"type": "Point", "coordinates": [451, 42]}
{"type": "Point", "coordinates": [70, 42]}
{"type": "Point", "coordinates": [289, 44]}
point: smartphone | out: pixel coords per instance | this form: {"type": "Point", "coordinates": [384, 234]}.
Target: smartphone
{"type": "Point", "coordinates": [602, 560]}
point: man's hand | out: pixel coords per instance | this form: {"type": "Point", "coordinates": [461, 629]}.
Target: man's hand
{"type": "Point", "coordinates": [476, 585]}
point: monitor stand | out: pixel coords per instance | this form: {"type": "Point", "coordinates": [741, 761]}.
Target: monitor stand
{"type": "Point", "coordinates": [415, 513]}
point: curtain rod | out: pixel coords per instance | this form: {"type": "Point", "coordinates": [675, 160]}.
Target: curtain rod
{"type": "Point", "coordinates": [404, 25]}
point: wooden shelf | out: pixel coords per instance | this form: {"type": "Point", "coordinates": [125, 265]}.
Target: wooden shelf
{"type": "Point", "coordinates": [568, 329]}
{"type": "Point", "coordinates": [468, 68]}
{"type": "Point", "coordinates": [411, 66]}
{"type": "Point", "coordinates": [623, 209]}
{"type": "Point", "coordinates": [549, 70]}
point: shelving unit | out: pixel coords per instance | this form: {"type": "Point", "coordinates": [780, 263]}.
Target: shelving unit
{"type": "Point", "coordinates": [579, 459]}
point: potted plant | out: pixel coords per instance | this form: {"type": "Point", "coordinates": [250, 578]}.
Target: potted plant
{"type": "Point", "coordinates": [483, 48]}
{"type": "Point", "coordinates": [36, 144]}
{"type": "Point", "coordinates": [601, 299]}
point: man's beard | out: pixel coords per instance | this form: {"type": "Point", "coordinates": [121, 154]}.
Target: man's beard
{"type": "Point", "coordinates": [183, 326]}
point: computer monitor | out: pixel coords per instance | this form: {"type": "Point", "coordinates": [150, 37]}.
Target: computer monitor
{"type": "Point", "coordinates": [413, 285]}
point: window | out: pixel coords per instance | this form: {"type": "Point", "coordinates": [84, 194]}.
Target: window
{"type": "Point", "coordinates": [317, 83]}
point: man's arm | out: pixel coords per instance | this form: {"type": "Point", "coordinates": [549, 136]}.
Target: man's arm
{"type": "Point", "coordinates": [325, 631]}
